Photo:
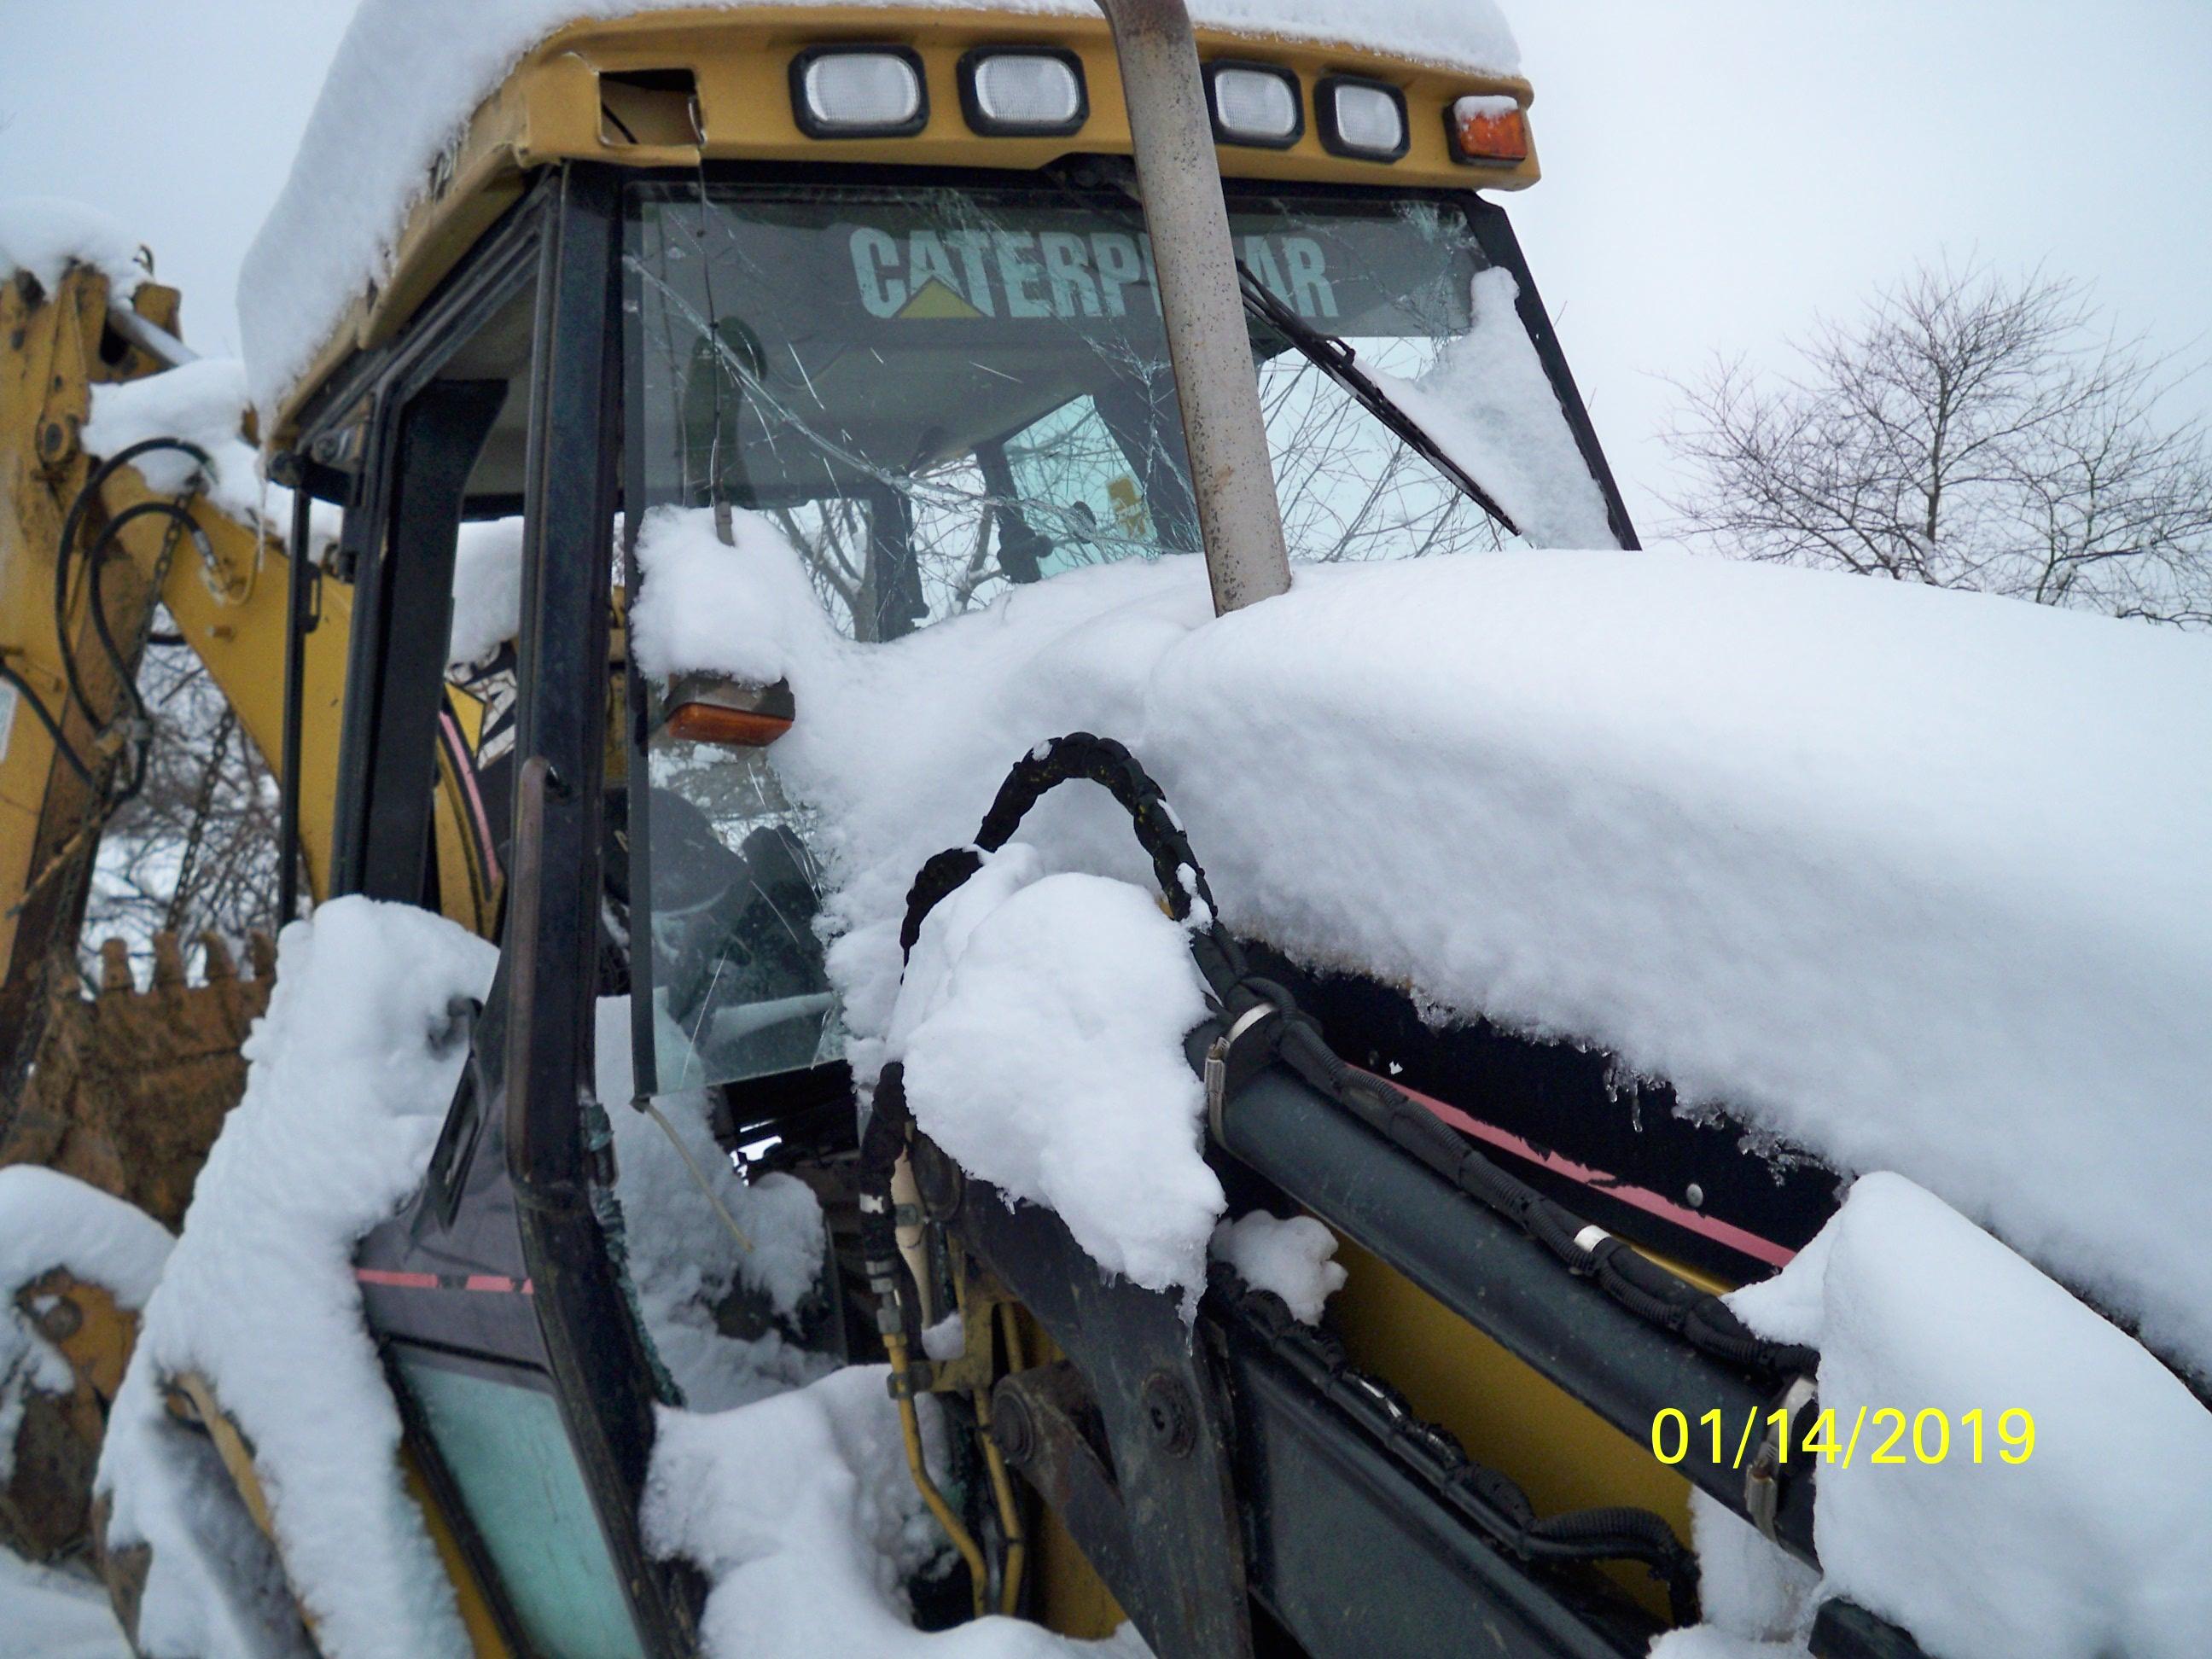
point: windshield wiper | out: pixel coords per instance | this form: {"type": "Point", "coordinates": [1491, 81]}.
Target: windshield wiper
{"type": "Point", "coordinates": [1337, 359]}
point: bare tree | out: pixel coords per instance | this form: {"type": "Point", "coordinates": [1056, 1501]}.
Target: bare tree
{"type": "Point", "coordinates": [195, 851]}
{"type": "Point", "coordinates": [1969, 429]}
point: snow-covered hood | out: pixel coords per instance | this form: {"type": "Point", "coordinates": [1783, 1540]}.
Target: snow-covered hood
{"type": "Point", "coordinates": [1915, 879]}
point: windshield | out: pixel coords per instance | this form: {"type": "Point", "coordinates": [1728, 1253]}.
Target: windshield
{"type": "Point", "coordinates": [940, 393]}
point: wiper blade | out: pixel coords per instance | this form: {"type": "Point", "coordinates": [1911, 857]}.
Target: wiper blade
{"type": "Point", "coordinates": [1337, 359]}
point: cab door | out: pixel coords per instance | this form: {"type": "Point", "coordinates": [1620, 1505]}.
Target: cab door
{"type": "Point", "coordinates": [525, 1383]}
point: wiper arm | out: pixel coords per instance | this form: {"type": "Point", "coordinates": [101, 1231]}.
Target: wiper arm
{"type": "Point", "coordinates": [1341, 364]}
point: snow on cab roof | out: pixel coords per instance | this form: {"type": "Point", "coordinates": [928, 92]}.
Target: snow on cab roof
{"type": "Point", "coordinates": [410, 73]}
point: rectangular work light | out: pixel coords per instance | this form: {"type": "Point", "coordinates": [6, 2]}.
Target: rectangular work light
{"type": "Point", "coordinates": [1361, 118]}
{"type": "Point", "coordinates": [1014, 91]}
{"type": "Point", "coordinates": [858, 92]}
{"type": "Point", "coordinates": [1487, 129]}
{"type": "Point", "coordinates": [1254, 103]}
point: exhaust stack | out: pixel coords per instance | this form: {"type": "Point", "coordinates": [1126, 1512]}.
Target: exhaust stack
{"type": "Point", "coordinates": [1239, 519]}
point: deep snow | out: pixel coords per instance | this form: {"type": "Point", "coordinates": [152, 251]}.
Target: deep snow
{"type": "Point", "coordinates": [1911, 878]}
{"type": "Point", "coordinates": [1041, 1025]}
{"type": "Point", "coordinates": [49, 1612]}
{"type": "Point", "coordinates": [203, 403]}
{"type": "Point", "coordinates": [348, 1077]}
{"type": "Point", "coordinates": [801, 1513]}
{"type": "Point", "coordinates": [2098, 1541]}
{"type": "Point", "coordinates": [49, 1220]}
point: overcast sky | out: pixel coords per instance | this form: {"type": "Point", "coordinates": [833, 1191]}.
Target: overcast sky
{"type": "Point", "coordinates": [1717, 171]}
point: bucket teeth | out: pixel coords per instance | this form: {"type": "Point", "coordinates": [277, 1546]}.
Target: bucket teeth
{"type": "Point", "coordinates": [130, 1086]}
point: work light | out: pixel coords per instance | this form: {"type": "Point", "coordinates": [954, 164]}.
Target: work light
{"type": "Point", "coordinates": [1025, 90]}
{"type": "Point", "coordinates": [1254, 103]}
{"type": "Point", "coordinates": [858, 92]}
{"type": "Point", "coordinates": [1365, 118]}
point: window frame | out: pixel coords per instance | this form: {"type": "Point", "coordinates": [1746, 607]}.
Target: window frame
{"type": "Point", "coordinates": [508, 1196]}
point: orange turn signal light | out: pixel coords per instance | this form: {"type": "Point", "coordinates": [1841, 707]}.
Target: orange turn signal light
{"type": "Point", "coordinates": [733, 728]}
{"type": "Point", "coordinates": [1487, 129]}
{"type": "Point", "coordinates": [723, 712]}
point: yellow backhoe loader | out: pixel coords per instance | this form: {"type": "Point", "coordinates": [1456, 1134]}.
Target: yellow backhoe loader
{"type": "Point", "coordinates": [1048, 247]}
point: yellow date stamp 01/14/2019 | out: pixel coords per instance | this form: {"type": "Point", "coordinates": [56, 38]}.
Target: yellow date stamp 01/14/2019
{"type": "Point", "coordinates": [1891, 1436]}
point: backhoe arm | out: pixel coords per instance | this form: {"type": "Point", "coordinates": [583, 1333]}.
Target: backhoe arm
{"type": "Point", "coordinates": [70, 727]}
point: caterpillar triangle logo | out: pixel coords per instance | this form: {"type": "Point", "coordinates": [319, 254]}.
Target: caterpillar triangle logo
{"type": "Point", "coordinates": [934, 301]}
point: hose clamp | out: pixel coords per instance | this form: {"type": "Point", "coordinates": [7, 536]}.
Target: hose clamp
{"type": "Point", "coordinates": [1217, 1063]}
{"type": "Point", "coordinates": [1762, 1482]}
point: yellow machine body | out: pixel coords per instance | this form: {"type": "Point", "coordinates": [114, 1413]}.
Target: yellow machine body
{"type": "Point", "coordinates": [550, 108]}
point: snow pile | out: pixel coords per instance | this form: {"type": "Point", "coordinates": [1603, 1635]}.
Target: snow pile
{"type": "Point", "coordinates": [1291, 1255]}
{"type": "Point", "coordinates": [2100, 1542]}
{"type": "Point", "coordinates": [49, 1220]}
{"type": "Point", "coordinates": [44, 236]}
{"type": "Point", "coordinates": [410, 73]}
{"type": "Point", "coordinates": [487, 591]}
{"type": "Point", "coordinates": [746, 611]}
{"type": "Point", "coordinates": [204, 404]}
{"type": "Point", "coordinates": [1913, 878]}
{"type": "Point", "coordinates": [800, 1511]}
{"type": "Point", "coordinates": [1475, 401]}
{"type": "Point", "coordinates": [348, 1078]}
{"type": "Point", "coordinates": [683, 1263]}
{"type": "Point", "coordinates": [51, 1612]}
{"type": "Point", "coordinates": [1757, 1602]}
{"type": "Point", "coordinates": [1041, 1025]}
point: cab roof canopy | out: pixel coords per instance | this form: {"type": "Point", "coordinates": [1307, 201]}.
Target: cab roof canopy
{"type": "Point", "coordinates": [433, 116]}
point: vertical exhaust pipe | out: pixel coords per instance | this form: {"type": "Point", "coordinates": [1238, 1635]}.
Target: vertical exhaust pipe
{"type": "Point", "coordinates": [1239, 519]}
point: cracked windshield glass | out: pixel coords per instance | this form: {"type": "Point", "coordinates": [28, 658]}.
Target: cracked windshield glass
{"type": "Point", "coordinates": [938, 395]}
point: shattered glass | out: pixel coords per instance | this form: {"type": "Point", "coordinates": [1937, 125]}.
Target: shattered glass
{"type": "Point", "coordinates": [939, 394]}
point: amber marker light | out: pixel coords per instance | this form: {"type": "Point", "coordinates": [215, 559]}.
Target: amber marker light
{"type": "Point", "coordinates": [727, 715]}
{"type": "Point", "coordinates": [1487, 129]}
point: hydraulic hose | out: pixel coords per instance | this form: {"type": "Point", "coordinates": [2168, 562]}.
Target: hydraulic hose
{"type": "Point", "coordinates": [1654, 1295]}
{"type": "Point", "coordinates": [30, 698]}
{"type": "Point", "coordinates": [94, 557]}
{"type": "Point", "coordinates": [883, 1145]}
{"type": "Point", "coordinates": [73, 521]}
{"type": "Point", "coordinates": [1490, 1500]}
{"type": "Point", "coordinates": [1649, 1292]}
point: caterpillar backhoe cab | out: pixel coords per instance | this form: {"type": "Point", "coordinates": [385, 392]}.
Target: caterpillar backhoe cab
{"type": "Point", "coordinates": [962, 300]}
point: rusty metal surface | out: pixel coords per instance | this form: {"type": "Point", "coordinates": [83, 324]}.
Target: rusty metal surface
{"type": "Point", "coordinates": [45, 1505]}
{"type": "Point", "coordinates": [131, 1086]}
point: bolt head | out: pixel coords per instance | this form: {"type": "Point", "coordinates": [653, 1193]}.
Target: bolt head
{"type": "Point", "coordinates": [1170, 1413]}
{"type": "Point", "coordinates": [1010, 1427]}
{"type": "Point", "coordinates": [60, 1321]}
